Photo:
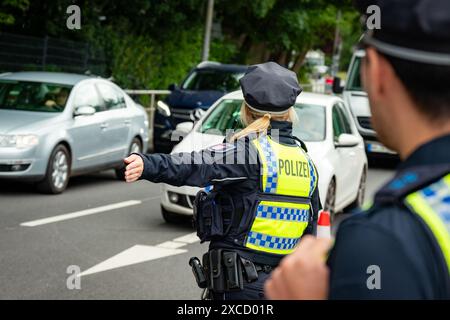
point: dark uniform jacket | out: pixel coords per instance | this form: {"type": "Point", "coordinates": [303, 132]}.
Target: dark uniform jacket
{"type": "Point", "coordinates": [395, 240]}
{"type": "Point", "coordinates": [241, 180]}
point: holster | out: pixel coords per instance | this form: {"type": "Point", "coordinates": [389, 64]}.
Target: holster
{"type": "Point", "coordinates": [223, 270]}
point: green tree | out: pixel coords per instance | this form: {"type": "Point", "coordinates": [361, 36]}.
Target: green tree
{"type": "Point", "coordinates": [150, 44]}
{"type": "Point", "coordinates": [279, 30]}
{"type": "Point", "coordinates": [11, 8]}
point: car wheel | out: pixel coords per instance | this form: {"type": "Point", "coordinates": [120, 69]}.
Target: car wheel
{"type": "Point", "coordinates": [58, 171]}
{"type": "Point", "coordinates": [135, 147]}
{"type": "Point", "coordinates": [171, 217]}
{"type": "Point", "coordinates": [359, 201]}
{"type": "Point", "coordinates": [330, 200]}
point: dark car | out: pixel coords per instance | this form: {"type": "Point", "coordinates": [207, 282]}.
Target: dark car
{"type": "Point", "coordinates": [206, 83]}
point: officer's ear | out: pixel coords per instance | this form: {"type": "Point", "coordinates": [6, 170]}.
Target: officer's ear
{"type": "Point", "coordinates": [373, 74]}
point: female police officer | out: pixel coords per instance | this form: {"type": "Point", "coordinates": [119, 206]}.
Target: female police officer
{"type": "Point", "coordinates": [264, 195]}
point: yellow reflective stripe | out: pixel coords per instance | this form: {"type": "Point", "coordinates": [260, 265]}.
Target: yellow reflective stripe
{"type": "Point", "coordinates": [279, 228]}
{"type": "Point", "coordinates": [285, 204]}
{"type": "Point", "coordinates": [419, 205]}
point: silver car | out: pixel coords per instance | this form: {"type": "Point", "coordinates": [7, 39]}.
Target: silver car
{"type": "Point", "coordinates": [57, 125]}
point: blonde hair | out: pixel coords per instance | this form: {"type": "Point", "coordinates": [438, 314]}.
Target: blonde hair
{"type": "Point", "coordinates": [258, 123]}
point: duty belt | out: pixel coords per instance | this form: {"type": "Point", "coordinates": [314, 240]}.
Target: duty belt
{"type": "Point", "coordinates": [225, 270]}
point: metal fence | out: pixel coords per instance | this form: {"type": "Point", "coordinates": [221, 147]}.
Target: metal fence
{"type": "Point", "coordinates": [18, 53]}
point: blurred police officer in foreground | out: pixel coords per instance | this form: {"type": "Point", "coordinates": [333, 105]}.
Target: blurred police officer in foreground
{"type": "Point", "coordinates": [400, 247]}
{"type": "Point", "coordinates": [264, 195]}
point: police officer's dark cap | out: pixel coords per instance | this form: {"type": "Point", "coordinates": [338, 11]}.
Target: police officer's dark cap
{"type": "Point", "coordinates": [414, 30]}
{"type": "Point", "coordinates": [268, 87]}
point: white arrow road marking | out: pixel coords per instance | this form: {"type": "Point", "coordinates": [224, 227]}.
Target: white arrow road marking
{"type": "Point", "coordinates": [135, 254]}
{"type": "Point", "coordinates": [140, 253]}
{"type": "Point", "coordinates": [189, 238]}
{"type": "Point", "coordinates": [81, 213]}
{"type": "Point", "coordinates": [171, 245]}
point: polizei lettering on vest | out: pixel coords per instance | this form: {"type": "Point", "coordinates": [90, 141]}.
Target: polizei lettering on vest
{"type": "Point", "coordinates": [293, 168]}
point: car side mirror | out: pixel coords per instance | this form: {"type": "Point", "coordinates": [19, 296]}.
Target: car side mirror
{"type": "Point", "coordinates": [337, 87]}
{"type": "Point", "coordinates": [184, 127]}
{"type": "Point", "coordinates": [84, 111]}
{"type": "Point", "coordinates": [163, 108]}
{"type": "Point", "coordinates": [181, 131]}
{"type": "Point", "coordinates": [173, 87]}
{"type": "Point", "coordinates": [346, 140]}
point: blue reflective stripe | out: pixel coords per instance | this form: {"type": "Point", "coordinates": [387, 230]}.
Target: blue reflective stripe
{"type": "Point", "coordinates": [272, 165]}
{"type": "Point", "coordinates": [437, 196]}
{"type": "Point", "coordinates": [312, 181]}
{"type": "Point", "coordinates": [280, 213]}
{"type": "Point", "coordinates": [266, 241]}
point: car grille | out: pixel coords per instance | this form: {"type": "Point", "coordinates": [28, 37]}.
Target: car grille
{"type": "Point", "coordinates": [184, 201]}
{"type": "Point", "coordinates": [181, 114]}
{"type": "Point", "coordinates": [365, 122]}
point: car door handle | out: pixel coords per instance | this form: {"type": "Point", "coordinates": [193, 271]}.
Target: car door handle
{"type": "Point", "coordinates": [352, 153]}
{"type": "Point", "coordinates": [127, 121]}
{"type": "Point", "coordinates": [104, 125]}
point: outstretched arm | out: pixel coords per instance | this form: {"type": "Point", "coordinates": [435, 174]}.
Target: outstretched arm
{"type": "Point", "coordinates": [193, 169]}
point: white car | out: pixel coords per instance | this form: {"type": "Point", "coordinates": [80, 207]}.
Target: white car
{"type": "Point", "coordinates": [358, 103]}
{"type": "Point", "coordinates": [324, 124]}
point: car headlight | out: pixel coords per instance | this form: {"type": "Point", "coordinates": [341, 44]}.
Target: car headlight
{"type": "Point", "coordinates": [18, 141]}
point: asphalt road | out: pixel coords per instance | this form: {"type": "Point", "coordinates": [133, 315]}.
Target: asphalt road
{"type": "Point", "coordinates": [39, 258]}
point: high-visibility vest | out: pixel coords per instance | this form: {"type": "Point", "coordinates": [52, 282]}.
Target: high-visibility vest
{"type": "Point", "coordinates": [283, 211]}
{"type": "Point", "coordinates": [432, 205]}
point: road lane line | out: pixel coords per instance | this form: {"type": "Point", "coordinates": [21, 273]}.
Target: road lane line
{"type": "Point", "coordinates": [81, 213]}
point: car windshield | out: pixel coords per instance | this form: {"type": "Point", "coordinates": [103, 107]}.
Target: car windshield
{"type": "Point", "coordinates": [33, 96]}
{"type": "Point", "coordinates": [226, 116]}
{"type": "Point", "coordinates": [354, 78]}
{"type": "Point", "coordinates": [209, 79]}
{"type": "Point", "coordinates": [311, 122]}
